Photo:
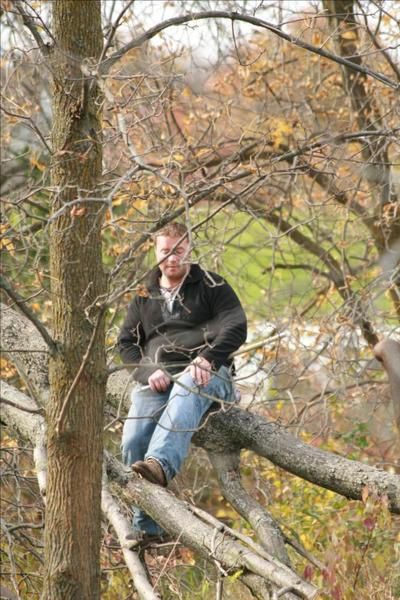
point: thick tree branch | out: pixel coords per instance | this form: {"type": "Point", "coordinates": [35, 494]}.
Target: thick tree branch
{"type": "Point", "coordinates": [177, 518]}
{"type": "Point", "coordinates": [240, 429]}
{"type": "Point", "coordinates": [122, 528]}
{"type": "Point", "coordinates": [207, 518]}
{"type": "Point", "coordinates": [21, 414]}
{"type": "Point", "coordinates": [227, 467]}
{"type": "Point", "coordinates": [21, 342]}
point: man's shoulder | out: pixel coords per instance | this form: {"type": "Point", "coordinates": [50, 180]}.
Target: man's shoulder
{"type": "Point", "coordinates": [141, 297]}
{"type": "Point", "coordinates": [213, 279]}
{"type": "Point", "coordinates": [204, 276]}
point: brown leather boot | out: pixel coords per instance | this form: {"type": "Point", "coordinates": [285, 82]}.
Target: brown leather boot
{"type": "Point", "coordinates": [151, 470]}
{"type": "Point", "coordinates": [141, 539]}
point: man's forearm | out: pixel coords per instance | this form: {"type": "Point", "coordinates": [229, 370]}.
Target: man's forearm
{"type": "Point", "coordinates": [130, 355]}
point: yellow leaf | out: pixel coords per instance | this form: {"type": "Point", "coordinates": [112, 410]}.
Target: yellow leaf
{"type": "Point", "coordinates": [349, 35]}
{"type": "Point", "coordinates": [120, 198]}
{"type": "Point", "coordinates": [35, 163]}
{"type": "Point", "coordinates": [236, 575]}
{"type": "Point", "coordinates": [7, 244]}
{"type": "Point", "coordinates": [280, 132]}
{"type": "Point", "coordinates": [7, 369]}
{"type": "Point", "coordinates": [201, 152]}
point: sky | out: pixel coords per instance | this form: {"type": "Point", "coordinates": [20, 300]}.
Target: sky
{"type": "Point", "coordinates": [208, 39]}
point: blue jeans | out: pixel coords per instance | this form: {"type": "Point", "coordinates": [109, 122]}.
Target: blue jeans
{"type": "Point", "coordinates": [161, 425]}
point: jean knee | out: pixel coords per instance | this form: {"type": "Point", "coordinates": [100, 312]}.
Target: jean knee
{"type": "Point", "coordinates": [135, 439]}
{"type": "Point", "coordinates": [184, 385]}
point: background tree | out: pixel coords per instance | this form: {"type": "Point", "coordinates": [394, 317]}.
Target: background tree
{"type": "Point", "coordinates": [280, 153]}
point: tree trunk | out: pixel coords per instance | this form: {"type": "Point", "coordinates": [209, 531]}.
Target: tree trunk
{"type": "Point", "coordinates": [385, 222]}
{"type": "Point", "coordinates": [77, 369]}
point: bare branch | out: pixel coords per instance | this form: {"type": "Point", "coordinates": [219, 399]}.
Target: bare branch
{"type": "Point", "coordinates": [341, 475]}
{"type": "Point", "coordinates": [21, 303]}
{"type": "Point", "coordinates": [29, 23]}
{"type": "Point", "coordinates": [82, 366]}
{"type": "Point", "coordinates": [268, 531]}
{"type": "Point", "coordinates": [33, 411]}
{"type": "Point", "coordinates": [336, 274]}
{"type": "Point", "coordinates": [122, 528]}
{"type": "Point", "coordinates": [211, 542]}
{"type": "Point", "coordinates": [31, 124]}
{"type": "Point", "coordinates": [113, 29]}
{"type": "Point", "coordinates": [374, 40]}
{"type": "Point", "coordinates": [219, 14]}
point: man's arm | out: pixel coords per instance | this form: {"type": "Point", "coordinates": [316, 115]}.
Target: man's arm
{"type": "Point", "coordinates": [130, 344]}
{"type": "Point", "coordinates": [131, 336]}
{"type": "Point", "coordinates": [229, 326]}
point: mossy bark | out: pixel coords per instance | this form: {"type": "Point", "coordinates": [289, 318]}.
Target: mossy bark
{"type": "Point", "coordinates": [77, 370]}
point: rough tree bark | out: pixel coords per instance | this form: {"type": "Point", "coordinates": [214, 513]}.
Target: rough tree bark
{"type": "Point", "coordinates": [77, 368]}
{"type": "Point", "coordinates": [388, 353]}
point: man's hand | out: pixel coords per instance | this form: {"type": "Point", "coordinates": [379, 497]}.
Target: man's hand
{"type": "Point", "coordinates": [200, 370]}
{"type": "Point", "coordinates": [159, 381]}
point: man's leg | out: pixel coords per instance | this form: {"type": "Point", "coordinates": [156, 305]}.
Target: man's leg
{"type": "Point", "coordinates": [146, 408]}
{"type": "Point", "coordinates": [187, 404]}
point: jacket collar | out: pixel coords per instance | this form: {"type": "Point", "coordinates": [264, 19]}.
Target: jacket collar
{"type": "Point", "coordinates": [196, 273]}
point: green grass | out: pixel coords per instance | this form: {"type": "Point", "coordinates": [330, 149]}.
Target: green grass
{"type": "Point", "coordinates": [250, 253]}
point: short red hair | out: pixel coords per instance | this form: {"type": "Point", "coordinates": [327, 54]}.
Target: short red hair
{"type": "Point", "coordinates": [173, 229]}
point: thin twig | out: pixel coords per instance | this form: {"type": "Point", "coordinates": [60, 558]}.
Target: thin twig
{"type": "Point", "coordinates": [233, 16]}
{"type": "Point", "coordinates": [32, 125]}
{"type": "Point", "coordinates": [21, 303]}
{"type": "Point", "coordinates": [113, 29]}
{"type": "Point", "coordinates": [375, 42]}
{"type": "Point", "coordinates": [29, 23]}
{"type": "Point", "coordinates": [34, 411]}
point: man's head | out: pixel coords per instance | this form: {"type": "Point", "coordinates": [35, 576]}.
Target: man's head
{"type": "Point", "coordinates": [172, 252]}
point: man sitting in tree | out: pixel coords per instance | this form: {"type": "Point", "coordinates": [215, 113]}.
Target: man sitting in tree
{"type": "Point", "coordinates": [180, 335]}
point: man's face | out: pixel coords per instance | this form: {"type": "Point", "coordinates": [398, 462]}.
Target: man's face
{"type": "Point", "coordinates": [174, 257]}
